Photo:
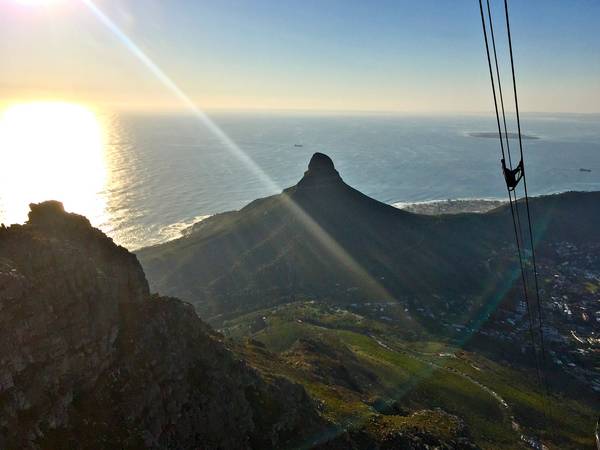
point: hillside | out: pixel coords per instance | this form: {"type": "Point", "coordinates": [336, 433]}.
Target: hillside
{"type": "Point", "coordinates": [366, 373]}
{"type": "Point", "coordinates": [90, 359]}
{"type": "Point", "coordinates": [323, 239]}
{"type": "Point", "coordinates": [384, 315]}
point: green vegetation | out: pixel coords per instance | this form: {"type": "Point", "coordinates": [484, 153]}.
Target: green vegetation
{"type": "Point", "coordinates": [370, 307]}
{"type": "Point", "coordinates": [352, 364]}
{"type": "Point", "coordinates": [591, 287]}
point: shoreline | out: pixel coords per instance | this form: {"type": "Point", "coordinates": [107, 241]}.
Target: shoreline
{"type": "Point", "coordinates": [451, 206]}
{"type": "Point", "coordinates": [425, 207]}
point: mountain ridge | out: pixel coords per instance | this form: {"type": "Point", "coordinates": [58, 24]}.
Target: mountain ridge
{"type": "Point", "coordinates": [323, 238]}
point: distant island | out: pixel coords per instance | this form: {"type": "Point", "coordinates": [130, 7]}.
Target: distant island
{"type": "Point", "coordinates": [494, 135]}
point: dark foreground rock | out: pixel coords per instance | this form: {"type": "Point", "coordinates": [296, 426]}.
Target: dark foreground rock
{"type": "Point", "coordinates": [89, 359]}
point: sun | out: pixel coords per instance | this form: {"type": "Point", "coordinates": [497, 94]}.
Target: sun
{"type": "Point", "coordinates": [51, 150]}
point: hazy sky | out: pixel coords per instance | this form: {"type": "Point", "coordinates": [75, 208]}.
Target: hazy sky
{"type": "Point", "coordinates": [414, 56]}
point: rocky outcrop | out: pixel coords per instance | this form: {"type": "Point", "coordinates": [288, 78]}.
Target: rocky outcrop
{"type": "Point", "coordinates": [89, 359]}
{"type": "Point", "coordinates": [422, 430]}
{"type": "Point", "coordinates": [321, 171]}
{"type": "Point", "coordinates": [330, 364]}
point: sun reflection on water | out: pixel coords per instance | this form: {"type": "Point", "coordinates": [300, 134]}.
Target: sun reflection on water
{"type": "Point", "coordinates": [51, 150]}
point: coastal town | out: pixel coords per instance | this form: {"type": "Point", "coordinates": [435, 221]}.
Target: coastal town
{"type": "Point", "coordinates": [569, 277]}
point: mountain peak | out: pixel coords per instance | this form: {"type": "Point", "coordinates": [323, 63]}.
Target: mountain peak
{"type": "Point", "coordinates": [321, 162]}
{"type": "Point", "coordinates": [321, 170]}
{"type": "Point", "coordinates": [51, 214]}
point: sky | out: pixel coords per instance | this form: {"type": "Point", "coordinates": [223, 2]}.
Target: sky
{"type": "Point", "coordinates": [423, 56]}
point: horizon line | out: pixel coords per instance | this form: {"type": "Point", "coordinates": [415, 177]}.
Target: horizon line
{"type": "Point", "coordinates": [177, 109]}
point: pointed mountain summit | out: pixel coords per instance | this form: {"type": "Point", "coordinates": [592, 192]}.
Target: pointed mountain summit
{"type": "Point", "coordinates": [321, 171]}
{"type": "Point", "coordinates": [323, 239]}
{"type": "Point", "coordinates": [325, 197]}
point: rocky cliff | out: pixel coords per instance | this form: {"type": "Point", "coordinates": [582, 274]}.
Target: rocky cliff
{"type": "Point", "coordinates": [89, 359]}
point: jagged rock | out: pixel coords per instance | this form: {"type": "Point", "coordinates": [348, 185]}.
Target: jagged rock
{"type": "Point", "coordinates": [332, 365]}
{"type": "Point", "coordinates": [422, 430]}
{"type": "Point", "coordinates": [89, 359]}
{"type": "Point", "coordinates": [51, 214]}
{"type": "Point", "coordinates": [321, 171]}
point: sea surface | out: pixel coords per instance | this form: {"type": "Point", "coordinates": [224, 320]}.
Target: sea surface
{"type": "Point", "coordinates": [166, 171]}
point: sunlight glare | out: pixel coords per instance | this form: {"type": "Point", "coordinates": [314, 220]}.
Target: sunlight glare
{"type": "Point", "coordinates": [51, 150]}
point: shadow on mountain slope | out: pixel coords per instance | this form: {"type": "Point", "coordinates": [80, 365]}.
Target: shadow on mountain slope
{"type": "Point", "coordinates": [323, 239]}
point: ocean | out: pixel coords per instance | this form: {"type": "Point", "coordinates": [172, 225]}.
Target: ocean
{"type": "Point", "coordinates": [166, 171]}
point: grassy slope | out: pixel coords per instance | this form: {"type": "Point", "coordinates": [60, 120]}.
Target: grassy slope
{"type": "Point", "coordinates": [415, 375]}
